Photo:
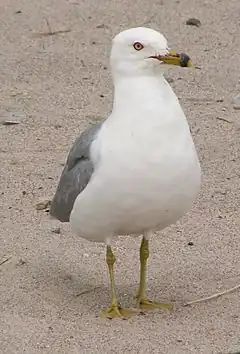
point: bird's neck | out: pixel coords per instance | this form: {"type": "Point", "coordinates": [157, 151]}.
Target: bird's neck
{"type": "Point", "coordinates": [140, 93]}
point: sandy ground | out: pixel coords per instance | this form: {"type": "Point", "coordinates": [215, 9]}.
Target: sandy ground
{"type": "Point", "coordinates": [54, 286]}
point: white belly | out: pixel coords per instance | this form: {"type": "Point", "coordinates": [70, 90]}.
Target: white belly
{"type": "Point", "coordinates": [129, 194]}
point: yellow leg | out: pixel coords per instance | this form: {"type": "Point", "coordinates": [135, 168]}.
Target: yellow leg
{"type": "Point", "coordinates": [115, 309]}
{"type": "Point", "coordinates": [142, 300]}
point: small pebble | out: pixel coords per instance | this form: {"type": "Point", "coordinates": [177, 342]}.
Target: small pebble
{"type": "Point", "coordinates": [193, 22]}
{"type": "Point", "coordinates": [11, 118]}
{"type": "Point", "coordinates": [56, 230]}
{"type": "Point", "coordinates": [43, 203]}
{"type": "Point", "coordinates": [21, 262]}
{"type": "Point", "coordinates": [190, 243]}
{"type": "Point", "coordinates": [102, 26]}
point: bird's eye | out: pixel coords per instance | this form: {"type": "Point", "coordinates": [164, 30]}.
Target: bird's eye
{"type": "Point", "coordinates": [138, 46]}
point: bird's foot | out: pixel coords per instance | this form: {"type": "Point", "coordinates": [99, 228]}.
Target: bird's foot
{"type": "Point", "coordinates": [115, 311]}
{"type": "Point", "coordinates": [150, 305]}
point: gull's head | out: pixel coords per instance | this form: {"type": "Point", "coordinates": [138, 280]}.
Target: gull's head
{"type": "Point", "coordinates": [143, 51]}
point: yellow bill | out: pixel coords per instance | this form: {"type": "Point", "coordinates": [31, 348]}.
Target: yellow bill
{"type": "Point", "coordinates": [179, 59]}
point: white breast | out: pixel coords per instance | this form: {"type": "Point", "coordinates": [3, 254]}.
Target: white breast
{"type": "Point", "coordinates": [147, 174]}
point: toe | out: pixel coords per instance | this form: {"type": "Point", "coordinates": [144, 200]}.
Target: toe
{"type": "Point", "coordinates": [150, 305]}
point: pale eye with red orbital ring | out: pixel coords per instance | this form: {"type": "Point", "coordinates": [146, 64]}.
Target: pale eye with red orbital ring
{"type": "Point", "coordinates": [138, 46]}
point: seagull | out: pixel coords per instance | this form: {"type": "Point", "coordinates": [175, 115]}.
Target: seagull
{"type": "Point", "coordinates": [138, 171]}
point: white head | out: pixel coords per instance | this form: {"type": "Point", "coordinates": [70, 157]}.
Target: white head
{"type": "Point", "coordinates": [143, 51]}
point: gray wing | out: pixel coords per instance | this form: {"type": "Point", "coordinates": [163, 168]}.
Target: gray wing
{"type": "Point", "coordinates": [75, 175]}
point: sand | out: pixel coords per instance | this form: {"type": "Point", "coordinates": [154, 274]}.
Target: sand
{"type": "Point", "coordinates": [53, 286]}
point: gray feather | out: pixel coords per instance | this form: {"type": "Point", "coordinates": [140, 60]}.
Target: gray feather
{"type": "Point", "coordinates": [75, 175]}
